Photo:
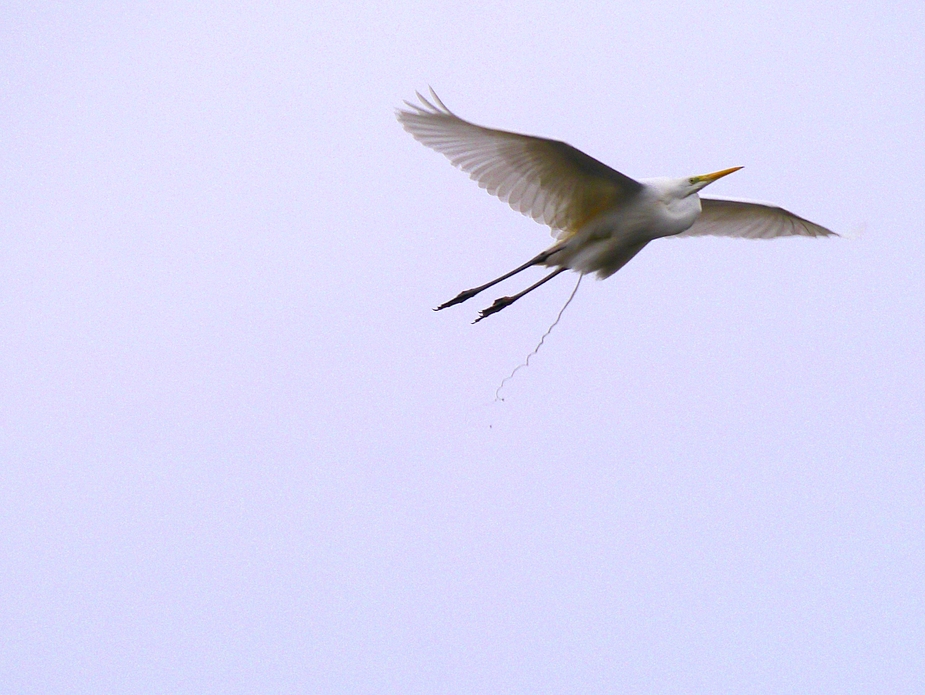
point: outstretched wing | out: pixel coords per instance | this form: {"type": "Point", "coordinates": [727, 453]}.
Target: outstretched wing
{"type": "Point", "coordinates": [740, 218]}
{"type": "Point", "coordinates": [548, 180]}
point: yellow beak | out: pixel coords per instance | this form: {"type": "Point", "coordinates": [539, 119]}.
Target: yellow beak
{"type": "Point", "coordinates": [710, 178]}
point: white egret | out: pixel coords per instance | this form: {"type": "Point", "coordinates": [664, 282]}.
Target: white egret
{"type": "Point", "coordinates": [599, 217]}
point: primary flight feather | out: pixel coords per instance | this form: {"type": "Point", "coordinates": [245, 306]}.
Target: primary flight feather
{"type": "Point", "coordinates": [599, 217]}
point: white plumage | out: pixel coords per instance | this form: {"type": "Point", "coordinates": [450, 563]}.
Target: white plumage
{"type": "Point", "coordinates": [599, 217]}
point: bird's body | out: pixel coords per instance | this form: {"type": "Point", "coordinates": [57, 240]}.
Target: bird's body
{"type": "Point", "coordinates": [606, 242]}
{"type": "Point", "coordinates": [599, 217]}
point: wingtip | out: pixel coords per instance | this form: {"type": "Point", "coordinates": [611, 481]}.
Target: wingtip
{"type": "Point", "coordinates": [437, 99]}
{"type": "Point", "coordinates": [425, 107]}
{"type": "Point", "coordinates": [431, 106]}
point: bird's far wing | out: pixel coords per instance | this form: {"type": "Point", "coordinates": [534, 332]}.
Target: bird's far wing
{"type": "Point", "coordinates": [548, 180]}
{"type": "Point", "coordinates": [748, 220]}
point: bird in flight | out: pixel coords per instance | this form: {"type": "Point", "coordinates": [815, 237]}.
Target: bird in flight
{"type": "Point", "coordinates": [599, 217]}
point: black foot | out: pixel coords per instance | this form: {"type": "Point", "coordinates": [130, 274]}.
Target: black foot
{"type": "Point", "coordinates": [459, 298]}
{"type": "Point", "coordinates": [497, 306]}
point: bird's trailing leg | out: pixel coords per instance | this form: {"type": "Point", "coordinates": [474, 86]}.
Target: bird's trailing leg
{"type": "Point", "coordinates": [503, 302]}
{"type": "Point", "coordinates": [469, 294]}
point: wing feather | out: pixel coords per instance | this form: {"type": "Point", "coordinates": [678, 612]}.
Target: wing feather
{"type": "Point", "coordinates": [548, 180]}
{"type": "Point", "coordinates": [750, 220]}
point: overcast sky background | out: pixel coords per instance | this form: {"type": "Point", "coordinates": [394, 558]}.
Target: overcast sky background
{"type": "Point", "coordinates": [240, 453]}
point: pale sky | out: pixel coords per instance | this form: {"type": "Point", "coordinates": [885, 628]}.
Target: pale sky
{"type": "Point", "coordinates": [240, 453]}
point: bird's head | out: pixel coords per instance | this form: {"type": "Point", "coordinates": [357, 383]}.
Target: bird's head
{"type": "Point", "coordinates": [695, 183]}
